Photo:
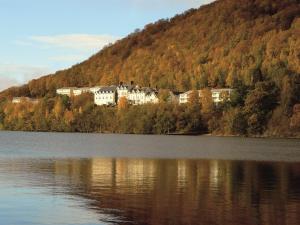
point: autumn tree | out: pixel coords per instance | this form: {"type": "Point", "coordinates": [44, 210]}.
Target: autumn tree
{"type": "Point", "coordinates": [295, 120]}
{"type": "Point", "coordinates": [234, 122]}
{"type": "Point", "coordinates": [164, 95]}
{"type": "Point", "coordinates": [58, 109]}
{"type": "Point", "coordinates": [123, 103]}
{"type": "Point", "coordinates": [193, 98]}
{"type": "Point", "coordinates": [207, 101]}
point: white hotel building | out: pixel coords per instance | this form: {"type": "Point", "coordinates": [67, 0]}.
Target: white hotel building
{"type": "Point", "coordinates": [221, 95]}
{"type": "Point", "coordinates": [110, 95]}
{"type": "Point", "coordinates": [75, 91]}
{"type": "Point", "coordinates": [18, 100]}
{"type": "Point", "coordinates": [66, 91]}
{"type": "Point", "coordinates": [106, 96]}
{"type": "Point", "coordinates": [218, 95]}
{"type": "Point", "coordinates": [140, 96]}
{"type": "Point", "coordinates": [184, 97]}
{"type": "Point", "coordinates": [134, 94]}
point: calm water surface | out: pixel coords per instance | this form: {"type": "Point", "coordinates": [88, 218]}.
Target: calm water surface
{"type": "Point", "coordinates": [82, 179]}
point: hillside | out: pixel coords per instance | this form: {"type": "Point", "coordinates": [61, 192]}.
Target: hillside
{"type": "Point", "coordinates": [215, 45]}
{"type": "Point", "coordinates": [252, 46]}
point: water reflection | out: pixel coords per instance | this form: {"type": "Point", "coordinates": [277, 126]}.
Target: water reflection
{"type": "Point", "coordinates": [133, 191]}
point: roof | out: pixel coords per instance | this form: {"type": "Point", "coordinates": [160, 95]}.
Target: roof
{"type": "Point", "coordinates": [96, 87]}
{"type": "Point", "coordinates": [149, 90]}
{"type": "Point", "coordinates": [108, 89]}
{"type": "Point", "coordinates": [67, 88]}
{"type": "Point", "coordinates": [128, 86]}
{"type": "Point", "coordinates": [221, 89]}
{"type": "Point", "coordinates": [189, 92]}
{"type": "Point", "coordinates": [176, 92]}
{"type": "Point", "coordinates": [83, 88]}
{"type": "Point", "coordinates": [146, 90]}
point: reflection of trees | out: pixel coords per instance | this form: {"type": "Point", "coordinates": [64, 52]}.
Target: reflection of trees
{"type": "Point", "coordinates": [179, 191]}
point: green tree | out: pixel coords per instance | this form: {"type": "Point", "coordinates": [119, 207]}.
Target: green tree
{"type": "Point", "coordinates": [259, 105]}
{"type": "Point", "coordinates": [234, 122]}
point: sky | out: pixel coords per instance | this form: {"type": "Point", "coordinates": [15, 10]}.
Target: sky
{"type": "Point", "coordinates": [39, 37]}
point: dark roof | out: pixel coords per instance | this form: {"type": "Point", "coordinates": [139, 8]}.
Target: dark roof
{"type": "Point", "coordinates": [146, 90]}
{"type": "Point", "coordinates": [177, 92]}
{"type": "Point", "coordinates": [149, 90]}
{"type": "Point", "coordinates": [108, 89]}
{"type": "Point", "coordinates": [128, 86]}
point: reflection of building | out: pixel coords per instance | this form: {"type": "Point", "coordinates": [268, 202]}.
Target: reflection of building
{"type": "Point", "coordinates": [181, 173]}
{"type": "Point", "coordinates": [214, 175]}
{"type": "Point", "coordinates": [120, 172]}
{"type": "Point", "coordinates": [160, 191]}
{"type": "Point", "coordinates": [134, 174]}
{"type": "Point", "coordinates": [103, 171]}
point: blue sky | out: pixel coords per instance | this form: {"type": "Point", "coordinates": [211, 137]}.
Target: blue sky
{"type": "Point", "coordinates": [40, 37]}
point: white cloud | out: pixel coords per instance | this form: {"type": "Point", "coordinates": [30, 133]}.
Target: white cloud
{"type": "Point", "coordinates": [69, 58]}
{"type": "Point", "coordinates": [82, 42]}
{"type": "Point", "coordinates": [77, 47]}
{"type": "Point", "coordinates": [6, 82]}
{"type": "Point", "coordinates": [16, 74]}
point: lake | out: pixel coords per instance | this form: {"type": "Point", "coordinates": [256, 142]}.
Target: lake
{"type": "Point", "coordinates": [85, 179]}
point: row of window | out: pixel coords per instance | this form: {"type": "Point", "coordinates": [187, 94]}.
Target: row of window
{"type": "Point", "coordinates": [104, 97]}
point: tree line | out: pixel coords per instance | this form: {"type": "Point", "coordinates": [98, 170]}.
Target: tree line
{"type": "Point", "coordinates": [253, 112]}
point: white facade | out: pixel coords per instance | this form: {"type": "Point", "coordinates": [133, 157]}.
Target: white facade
{"type": "Point", "coordinates": [221, 95]}
{"type": "Point", "coordinates": [95, 89]}
{"type": "Point", "coordinates": [17, 100]}
{"type": "Point", "coordinates": [218, 95]}
{"type": "Point", "coordinates": [184, 97]}
{"type": "Point", "coordinates": [106, 96]}
{"type": "Point", "coordinates": [151, 98]}
{"type": "Point", "coordinates": [66, 91]}
{"type": "Point", "coordinates": [136, 97]}
{"type": "Point", "coordinates": [74, 91]}
{"type": "Point", "coordinates": [80, 91]}
{"type": "Point", "coordinates": [140, 96]}
{"type": "Point", "coordinates": [123, 91]}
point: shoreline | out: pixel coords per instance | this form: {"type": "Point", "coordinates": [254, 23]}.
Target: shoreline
{"type": "Point", "coordinates": [171, 134]}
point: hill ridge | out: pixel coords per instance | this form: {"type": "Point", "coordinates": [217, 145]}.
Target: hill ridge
{"type": "Point", "coordinates": [216, 45]}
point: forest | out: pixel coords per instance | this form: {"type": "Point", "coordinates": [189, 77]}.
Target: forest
{"type": "Point", "coordinates": [252, 46]}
